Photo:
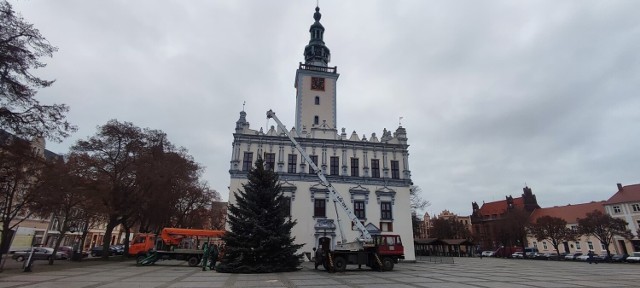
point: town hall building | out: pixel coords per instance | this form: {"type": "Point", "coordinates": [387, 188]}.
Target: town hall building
{"type": "Point", "coordinates": [370, 173]}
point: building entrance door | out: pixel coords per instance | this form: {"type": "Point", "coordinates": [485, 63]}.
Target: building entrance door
{"type": "Point", "coordinates": [325, 243]}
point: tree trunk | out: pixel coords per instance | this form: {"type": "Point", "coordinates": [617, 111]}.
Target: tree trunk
{"type": "Point", "coordinates": [57, 244]}
{"type": "Point", "coordinates": [83, 239]}
{"type": "Point", "coordinates": [106, 240]}
{"type": "Point", "coordinates": [127, 233]}
{"type": "Point", "coordinates": [4, 237]}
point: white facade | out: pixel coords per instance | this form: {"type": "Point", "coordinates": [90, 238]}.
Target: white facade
{"type": "Point", "coordinates": [372, 175]}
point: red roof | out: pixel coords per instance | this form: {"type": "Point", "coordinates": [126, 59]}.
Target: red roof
{"type": "Point", "coordinates": [569, 213]}
{"type": "Point", "coordinates": [499, 207]}
{"type": "Point", "coordinates": [629, 193]}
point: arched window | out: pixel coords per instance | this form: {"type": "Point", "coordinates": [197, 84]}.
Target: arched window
{"type": "Point", "coordinates": [317, 100]}
{"type": "Point", "coordinates": [316, 120]}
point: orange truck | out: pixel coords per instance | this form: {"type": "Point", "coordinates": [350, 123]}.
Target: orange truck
{"type": "Point", "coordinates": [173, 244]}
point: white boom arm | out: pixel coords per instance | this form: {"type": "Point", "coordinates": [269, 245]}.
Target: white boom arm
{"type": "Point", "coordinates": [332, 192]}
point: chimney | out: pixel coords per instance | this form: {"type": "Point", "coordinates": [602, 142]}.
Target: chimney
{"type": "Point", "coordinates": [619, 187]}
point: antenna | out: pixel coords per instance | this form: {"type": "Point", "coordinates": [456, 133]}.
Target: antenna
{"type": "Point", "coordinates": [400, 121]}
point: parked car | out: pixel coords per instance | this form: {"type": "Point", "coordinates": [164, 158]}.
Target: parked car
{"type": "Point", "coordinates": [634, 258]}
{"type": "Point", "coordinates": [544, 256]}
{"type": "Point", "coordinates": [530, 252]}
{"type": "Point", "coordinates": [548, 256]}
{"type": "Point", "coordinates": [69, 251]}
{"type": "Point", "coordinates": [572, 256]}
{"type": "Point", "coordinates": [488, 253]}
{"type": "Point", "coordinates": [583, 257]}
{"type": "Point", "coordinates": [619, 257]}
{"type": "Point", "coordinates": [39, 253]}
{"type": "Point", "coordinates": [117, 249]}
{"type": "Point", "coordinates": [517, 255]}
{"type": "Point", "coordinates": [601, 257]}
{"type": "Point", "coordinates": [97, 251]}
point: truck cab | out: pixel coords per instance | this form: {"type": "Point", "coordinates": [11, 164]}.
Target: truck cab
{"type": "Point", "coordinates": [141, 244]}
{"type": "Point", "coordinates": [389, 245]}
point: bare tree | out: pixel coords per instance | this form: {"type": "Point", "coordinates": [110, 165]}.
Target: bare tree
{"type": "Point", "coordinates": [217, 215]}
{"type": "Point", "coordinates": [512, 229]}
{"type": "Point", "coordinates": [449, 229]}
{"type": "Point", "coordinates": [21, 47]}
{"type": "Point", "coordinates": [553, 229]}
{"type": "Point", "coordinates": [417, 203]}
{"type": "Point", "coordinates": [20, 167]}
{"type": "Point", "coordinates": [110, 156]}
{"type": "Point", "coordinates": [65, 194]}
{"type": "Point", "coordinates": [603, 227]}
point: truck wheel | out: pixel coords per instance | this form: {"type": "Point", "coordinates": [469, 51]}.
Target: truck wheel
{"type": "Point", "coordinates": [139, 258]}
{"type": "Point", "coordinates": [193, 261]}
{"type": "Point", "coordinates": [387, 264]}
{"type": "Point", "coordinates": [20, 258]}
{"type": "Point", "coordinates": [340, 264]}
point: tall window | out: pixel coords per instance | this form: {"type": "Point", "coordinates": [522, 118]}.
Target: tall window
{"type": "Point", "coordinates": [578, 245]}
{"type": "Point", "coordinates": [616, 209]}
{"type": "Point", "coordinates": [635, 207]}
{"type": "Point", "coordinates": [316, 120]}
{"type": "Point", "coordinates": [590, 244]}
{"type": "Point", "coordinates": [319, 208]}
{"type": "Point", "coordinates": [293, 160]}
{"type": "Point", "coordinates": [385, 211]}
{"type": "Point", "coordinates": [375, 168]}
{"type": "Point", "coordinates": [287, 205]}
{"type": "Point", "coordinates": [334, 165]}
{"type": "Point", "coordinates": [358, 209]}
{"type": "Point", "coordinates": [395, 169]}
{"type": "Point", "coordinates": [247, 161]}
{"type": "Point", "coordinates": [355, 167]}
{"type": "Point", "coordinates": [270, 161]}
{"type": "Point", "coordinates": [317, 100]}
{"type": "Point", "coordinates": [544, 245]}
{"type": "Point", "coordinates": [314, 159]}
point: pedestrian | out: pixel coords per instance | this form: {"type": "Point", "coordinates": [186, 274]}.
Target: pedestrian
{"type": "Point", "coordinates": [205, 256]}
{"type": "Point", "coordinates": [214, 256]}
{"type": "Point", "coordinates": [590, 254]}
{"type": "Point", "coordinates": [318, 257]}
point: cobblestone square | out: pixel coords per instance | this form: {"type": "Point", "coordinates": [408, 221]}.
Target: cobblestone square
{"type": "Point", "coordinates": [465, 272]}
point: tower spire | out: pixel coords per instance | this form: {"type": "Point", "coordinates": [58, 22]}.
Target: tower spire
{"type": "Point", "coordinates": [316, 53]}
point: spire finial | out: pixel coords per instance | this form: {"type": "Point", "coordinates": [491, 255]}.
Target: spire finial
{"type": "Point", "coordinates": [317, 15]}
{"type": "Point", "coordinates": [243, 102]}
{"type": "Point", "coordinates": [316, 53]}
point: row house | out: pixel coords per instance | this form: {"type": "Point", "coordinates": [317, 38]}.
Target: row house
{"type": "Point", "coordinates": [625, 204]}
{"type": "Point", "coordinates": [570, 214]}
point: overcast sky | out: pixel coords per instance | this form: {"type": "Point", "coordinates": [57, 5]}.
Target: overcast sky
{"type": "Point", "coordinates": [494, 94]}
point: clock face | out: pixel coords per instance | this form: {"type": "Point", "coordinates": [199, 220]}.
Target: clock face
{"type": "Point", "coordinates": [317, 83]}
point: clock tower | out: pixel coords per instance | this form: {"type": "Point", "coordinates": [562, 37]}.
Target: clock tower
{"type": "Point", "coordinates": [315, 83]}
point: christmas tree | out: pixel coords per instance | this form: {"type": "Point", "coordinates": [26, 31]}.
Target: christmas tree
{"type": "Point", "coordinates": [259, 240]}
